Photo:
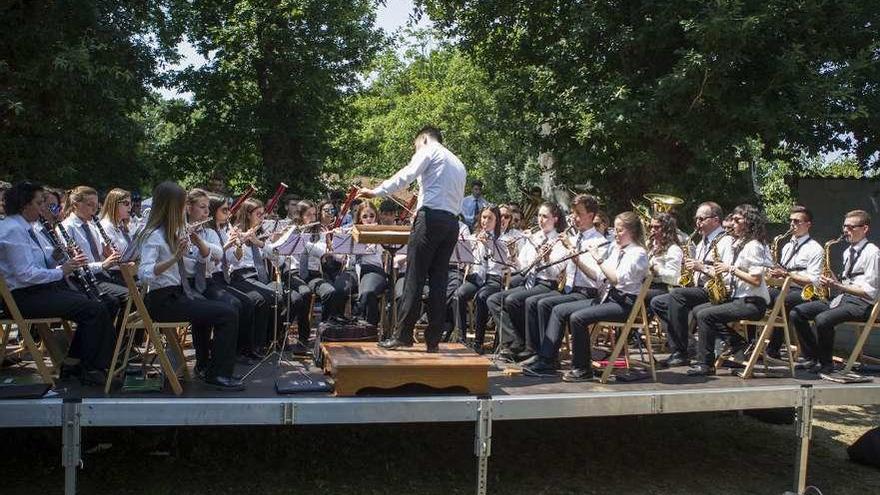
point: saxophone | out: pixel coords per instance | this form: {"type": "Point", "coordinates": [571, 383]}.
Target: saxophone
{"type": "Point", "coordinates": [687, 276]}
{"type": "Point", "coordinates": [715, 286]}
{"type": "Point", "coordinates": [810, 291]}
{"type": "Point", "coordinates": [775, 254]}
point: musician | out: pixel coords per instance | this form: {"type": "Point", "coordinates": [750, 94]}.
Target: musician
{"type": "Point", "coordinates": [801, 259]}
{"type": "Point", "coordinates": [372, 279]}
{"type": "Point", "coordinates": [673, 308]}
{"type": "Point", "coordinates": [601, 224]}
{"type": "Point", "coordinates": [624, 270]}
{"type": "Point", "coordinates": [473, 204]}
{"type": "Point", "coordinates": [37, 284]}
{"type": "Point", "coordinates": [79, 210]}
{"type": "Point", "coordinates": [114, 217]}
{"type": "Point", "coordinates": [388, 210]}
{"type": "Point", "coordinates": [854, 292]}
{"type": "Point", "coordinates": [290, 202]}
{"type": "Point", "coordinates": [665, 256]}
{"type": "Point", "coordinates": [509, 307]}
{"type": "Point", "coordinates": [743, 266]}
{"type": "Point", "coordinates": [163, 245]}
{"type": "Point", "coordinates": [441, 177]}
{"type": "Point", "coordinates": [484, 279]}
{"type": "Point", "coordinates": [309, 267]}
{"type": "Point", "coordinates": [583, 280]}
{"type": "Point", "coordinates": [516, 219]}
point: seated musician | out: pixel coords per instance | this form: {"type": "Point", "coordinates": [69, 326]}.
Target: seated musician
{"type": "Point", "coordinates": [79, 210]}
{"type": "Point", "coordinates": [455, 277]}
{"type": "Point", "coordinates": [583, 279]}
{"type": "Point", "coordinates": [624, 269]}
{"type": "Point", "coordinates": [665, 255]}
{"type": "Point", "coordinates": [38, 284]}
{"type": "Point", "coordinates": [674, 308]}
{"type": "Point", "coordinates": [163, 244]}
{"type": "Point", "coordinates": [602, 223]}
{"type": "Point", "coordinates": [801, 260]}
{"type": "Point", "coordinates": [743, 267]}
{"type": "Point", "coordinates": [509, 307]}
{"type": "Point", "coordinates": [484, 278]}
{"type": "Point", "coordinates": [372, 279]}
{"type": "Point", "coordinates": [852, 295]}
{"type": "Point", "coordinates": [115, 216]}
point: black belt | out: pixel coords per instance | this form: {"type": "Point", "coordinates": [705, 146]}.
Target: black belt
{"type": "Point", "coordinates": [437, 210]}
{"type": "Point", "coordinates": [551, 284]}
{"type": "Point", "coordinates": [622, 298]}
{"type": "Point", "coordinates": [590, 292]}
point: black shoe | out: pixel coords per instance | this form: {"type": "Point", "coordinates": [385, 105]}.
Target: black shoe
{"type": "Point", "coordinates": [432, 349]}
{"type": "Point", "coordinates": [92, 377]}
{"type": "Point", "coordinates": [200, 372]}
{"type": "Point", "coordinates": [523, 356]}
{"type": "Point", "coordinates": [805, 363]}
{"type": "Point", "coordinates": [677, 360]}
{"type": "Point", "coordinates": [477, 347]}
{"type": "Point", "coordinates": [774, 354]}
{"type": "Point", "coordinates": [393, 343]}
{"type": "Point", "coordinates": [506, 355]}
{"type": "Point", "coordinates": [530, 361]}
{"type": "Point", "coordinates": [541, 367]}
{"type": "Point", "coordinates": [578, 375]}
{"type": "Point", "coordinates": [245, 360]}
{"type": "Point", "coordinates": [701, 370]}
{"type": "Point", "coordinates": [70, 371]}
{"type": "Point", "coordinates": [300, 349]}
{"type": "Point", "coordinates": [225, 383]}
{"type": "Point", "coordinates": [822, 368]}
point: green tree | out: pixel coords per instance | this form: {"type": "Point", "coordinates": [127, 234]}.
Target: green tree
{"type": "Point", "coordinates": [72, 77]}
{"type": "Point", "coordinates": [662, 96]}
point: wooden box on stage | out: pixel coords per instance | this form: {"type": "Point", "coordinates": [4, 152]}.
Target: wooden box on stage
{"type": "Point", "coordinates": [357, 365]}
{"type": "Point", "coordinates": [381, 234]}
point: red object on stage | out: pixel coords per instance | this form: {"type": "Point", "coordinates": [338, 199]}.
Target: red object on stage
{"type": "Point", "coordinates": [275, 197]}
{"type": "Point", "coordinates": [240, 201]}
{"type": "Point", "coordinates": [346, 205]}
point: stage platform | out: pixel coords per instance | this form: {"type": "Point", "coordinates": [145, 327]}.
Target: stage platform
{"type": "Point", "coordinates": [508, 398]}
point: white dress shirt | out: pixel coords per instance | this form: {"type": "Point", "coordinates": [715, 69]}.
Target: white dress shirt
{"type": "Point", "coordinates": [194, 255]}
{"type": "Point", "coordinates": [574, 277]}
{"type": "Point", "coordinates": [530, 250]}
{"type": "Point", "coordinates": [803, 256]}
{"type": "Point", "coordinates": [631, 267]}
{"type": "Point", "coordinates": [116, 235]}
{"type": "Point", "coordinates": [216, 241]}
{"type": "Point", "coordinates": [704, 253]}
{"type": "Point", "coordinates": [667, 265]}
{"type": "Point", "coordinates": [489, 254]}
{"type": "Point", "coordinates": [749, 258]}
{"type": "Point", "coordinates": [441, 177]}
{"type": "Point", "coordinates": [155, 250]}
{"type": "Point", "coordinates": [23, 262]}
{"type": "Point", "coordinates": [864, 272]}
{"type": "Point", "coordinates": [74, 227]}
{"type": "Point", "coordinates": [247, 257]}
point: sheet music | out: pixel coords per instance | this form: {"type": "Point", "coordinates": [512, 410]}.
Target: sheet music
{"type": "Point", "coordinates": [344, 244]}
{"type": "Point", "coordinates": [292, 244]}
{"type": "Point", "coordinates": [463, 252]}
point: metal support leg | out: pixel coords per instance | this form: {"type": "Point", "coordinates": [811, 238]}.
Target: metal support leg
{"type": "Point", "coordinates": [483, 444]}
{"type": "Point", "coordinates": [70, 450]}
{"type": "Point", "coordinates": [804, 426]}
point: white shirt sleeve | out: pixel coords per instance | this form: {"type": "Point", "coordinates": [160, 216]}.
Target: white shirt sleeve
{"type": "Point", "coordinates": [407, 174]}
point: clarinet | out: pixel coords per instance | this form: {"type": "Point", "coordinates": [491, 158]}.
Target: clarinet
{"type": "Point", "coordinates": [83, 275]}
{"type": "Point", "coordinates": [107, 240]}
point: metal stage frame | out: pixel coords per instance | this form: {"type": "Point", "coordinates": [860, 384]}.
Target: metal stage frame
{"type": "Point", "coordinates": [74, 414]}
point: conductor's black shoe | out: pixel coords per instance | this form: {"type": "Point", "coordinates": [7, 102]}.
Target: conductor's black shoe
{"type": "Point", "coordinates": [822, 368]}
{"type": "Point", "coordinates": [578, 375]}
{"type": "Point", "coordinates": [225, 383]}
{"type": "Point", "coordinates": [393, 343]}
{"type": "Point", "coordinates": [804, 363]}
{"type": "Point", "coordinates": [523, 356]}
{"type": "Point", "coordinates": [701, 370]}
{"type": "Point", "coordinates": [677, 360]}
{"type": "Point", "coordinates": [506, 355]}
{"type": "Point", "coordinates": [541, 367]}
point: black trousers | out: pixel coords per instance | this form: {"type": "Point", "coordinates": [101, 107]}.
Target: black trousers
{"type": "Point", "coordinates": [509, 310]}
{"type": "Point", "coordinates": [433, 237]}
{"type": "Point", "coordinates": [553, 313]}
{"type": "Point", "coordinates": [821, 345]}
{"type": "Point", "coordinates": [478, 291]}
{"type": "Point", "coordinates": [263, 296]}
{"type": "Point", "coordinates": [171, 304]}
{"type": "Point", "coordinates": [299, 297]}
{"type": "Point", "coordinates": [581, 321]}
{"type": "Point", "coordinates": [115, 291]}
{"type": "Point", "coordinates": [791, 300]}
{"type": "Point", "coordinates": [674, 308]}
{"type": "Point", "coordinates": [252, 312]}
{"type": "Point", "coordinates": [94, 338]}
{"type": "Point", "coordinates": [453, 283]}
{"type": "Point", "coordinates": [331, 290]}
{"type": "Point", "coordinates": [373, 282]}
{"type": "Point", "coordinates": [712, 323]}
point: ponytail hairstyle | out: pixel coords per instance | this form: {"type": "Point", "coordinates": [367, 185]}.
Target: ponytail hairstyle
{"type": "Point", "coordinates": [76, 195]}
{"type": "Point", "coordinates": [194, 195]}
{"type": "Point", "coordinates": [169, 200]}
{"type": "Point", "coordinates": [633, 224]}
{"type": "Point", "coordinates": [110, 209]}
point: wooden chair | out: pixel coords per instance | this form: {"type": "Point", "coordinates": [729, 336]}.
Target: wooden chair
{"type": "Point", "coordinates": [865, 331]}
{"type": "Point", "coordinates": [139, 319]}
{"type": "Point", "coordinates": [775, 318]}
{"type": "Point", "coordinates": [24, 332]}
{"type": "Point", "coordinates": [637, 319]}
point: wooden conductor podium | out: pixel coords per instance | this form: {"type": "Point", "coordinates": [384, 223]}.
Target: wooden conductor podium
{"type": "Point", "coordinates": [381, 234]}
{"type": "Point", "coordinates": [357, 365]}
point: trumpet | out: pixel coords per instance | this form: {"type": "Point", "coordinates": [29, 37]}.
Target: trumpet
{"type": "Point", "coordinates": [542, 251]}
{"type": "Point", "coordinates": [570, 256]}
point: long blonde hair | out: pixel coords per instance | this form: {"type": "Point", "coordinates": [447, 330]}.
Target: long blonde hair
{"type": "Point", "coordinates": [242, 218]}
{"type": "Point", "coordinates": [194, 195]}
{"type": "Point", "coordinates": [76, 195]}
{"type": "Point", "coordinates": [169, 200]}
{"type": "Point", "coordinates": [110, 208]}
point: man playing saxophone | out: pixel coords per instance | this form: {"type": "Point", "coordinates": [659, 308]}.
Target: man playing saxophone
{"type": "Point", "coordinates": [675, 307]}
{"type": "Point", "coordinates": [801, 260]}
{"type": "Point", "coordinates": [852, 295]}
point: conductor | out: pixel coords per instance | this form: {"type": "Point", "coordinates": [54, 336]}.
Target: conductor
{"type": "Point", "coordinates": [441, 177]}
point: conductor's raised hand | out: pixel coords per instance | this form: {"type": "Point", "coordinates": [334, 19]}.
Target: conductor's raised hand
{"type": "Point", "coordinates": [366, 193]}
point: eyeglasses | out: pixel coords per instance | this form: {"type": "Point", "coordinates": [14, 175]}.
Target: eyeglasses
{"type": "Point", "coordinates": [797, 221]}
{"type": "Point", "coordinates": [847, 226]}
{"type": "Point", "coordinates": [701, 219]}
